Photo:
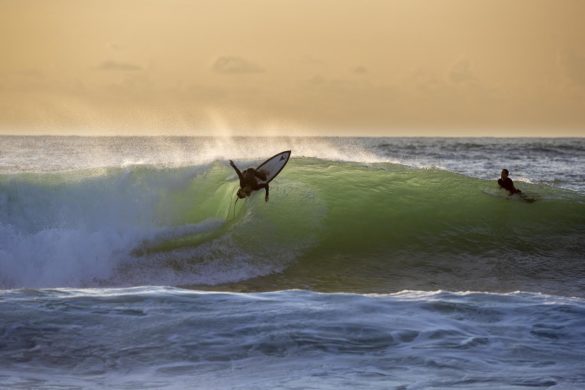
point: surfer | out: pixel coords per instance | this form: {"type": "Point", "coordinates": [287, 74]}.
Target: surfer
{"type": "Point", "coordinates": [249, 181]}
{"type": "Point", "coordinates": [506, 183]}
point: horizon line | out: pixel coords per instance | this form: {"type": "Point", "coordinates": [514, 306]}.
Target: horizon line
{"type": "Point", "coordinates": [286, 136]}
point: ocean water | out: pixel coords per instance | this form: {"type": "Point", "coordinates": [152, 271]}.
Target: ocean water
{"type": "Point", "coordinates": [377, 263]}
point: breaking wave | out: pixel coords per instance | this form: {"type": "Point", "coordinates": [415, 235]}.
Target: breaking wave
{"type": "Point", "coordinates": [329, 225]}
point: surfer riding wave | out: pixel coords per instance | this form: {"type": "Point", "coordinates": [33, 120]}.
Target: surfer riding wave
{"type": "Point", "coordinates": [249, 181]}
{"type": "Point", "coordinates": [254, 179]}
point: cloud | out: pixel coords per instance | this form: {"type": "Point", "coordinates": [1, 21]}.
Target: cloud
{"type": "Point", "coordinates": [115, 66]}
{"type": "Point", "coordinates": [460, 72]}
{"type": "Point", "coordinates": [235, 65]}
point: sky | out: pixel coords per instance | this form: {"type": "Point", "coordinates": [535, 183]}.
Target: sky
{"type": "Point", "coordinates": [293, 67]}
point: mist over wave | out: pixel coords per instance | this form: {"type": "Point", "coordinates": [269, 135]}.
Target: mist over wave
{"type": "Point", "coordinates": [21, 154]}
{"type": "Point", "coordinates": [557, 162]}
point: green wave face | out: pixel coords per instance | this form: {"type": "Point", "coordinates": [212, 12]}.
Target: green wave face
{"type": "Point", "coordinates": [385, 226]}
{"type": "Point", "coordinates": [329, 225]}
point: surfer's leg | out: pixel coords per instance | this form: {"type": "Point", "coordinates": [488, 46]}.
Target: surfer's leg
{"type": "Point", "coordinates": [265, 186]}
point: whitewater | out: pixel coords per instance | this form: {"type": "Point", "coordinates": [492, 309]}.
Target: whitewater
{"type": "Point", "coordinates": [377, 263]}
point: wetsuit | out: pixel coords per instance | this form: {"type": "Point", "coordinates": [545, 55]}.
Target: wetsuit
{"type": "Point", "coordinates": [508, 185]}
{"type": "Point", "coordinates": [249, 180]}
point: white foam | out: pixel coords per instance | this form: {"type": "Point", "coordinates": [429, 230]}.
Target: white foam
{"type": "Point", "coordinates": [59, 256]}
{"type": "Point", "coordinates": [75, 233]}
{"type": "Point", "coordinates": [289, 339]}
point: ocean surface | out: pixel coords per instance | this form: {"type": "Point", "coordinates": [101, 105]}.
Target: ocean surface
{"type": "Point", "coordinates": [378, 263]}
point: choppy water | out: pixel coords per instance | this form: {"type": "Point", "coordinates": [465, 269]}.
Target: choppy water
{"type": "Point", "coordinates": [289, 283]}
{"type": "Point", "coordinates": [173, 338]}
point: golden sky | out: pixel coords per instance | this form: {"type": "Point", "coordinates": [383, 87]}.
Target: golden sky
{"type": "Point", "coordinates": [323, 67]}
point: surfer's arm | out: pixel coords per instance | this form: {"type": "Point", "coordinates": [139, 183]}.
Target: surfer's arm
{"type": "Point", "coordinates": [236, 169]}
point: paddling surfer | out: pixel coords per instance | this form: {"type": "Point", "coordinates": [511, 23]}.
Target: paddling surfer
{"type": "Point", "coordinates": [506, 183]}
{"type": "Point", "coordinates": [249, 181]}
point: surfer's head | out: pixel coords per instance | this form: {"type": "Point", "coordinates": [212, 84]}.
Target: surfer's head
{"type": "Point", "coordinates": [244, 192]}
{"type": "Point", "coordinates": [504, 173]}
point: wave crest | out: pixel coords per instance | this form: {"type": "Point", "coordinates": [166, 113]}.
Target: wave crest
{"type": "Point", "coordinates": [329, 224]}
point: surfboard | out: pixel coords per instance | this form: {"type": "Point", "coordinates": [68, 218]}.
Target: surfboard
{"type": "Point", "coordinates": [272, 167]}
{"type": "Point", "coordinates": [502, 194]}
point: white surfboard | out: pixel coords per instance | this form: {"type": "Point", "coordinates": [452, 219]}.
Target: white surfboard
{"type": "Point", "coordinates": [272, 167]}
